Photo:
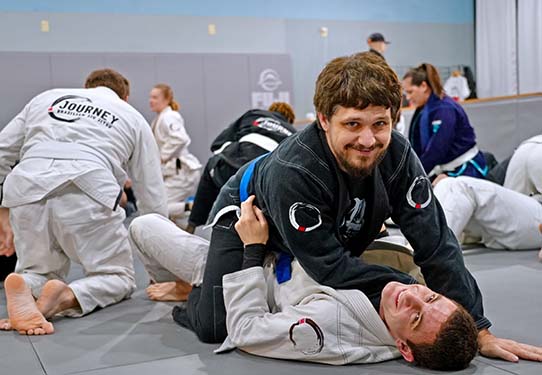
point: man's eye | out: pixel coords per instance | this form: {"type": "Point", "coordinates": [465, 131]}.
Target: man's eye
{"type": "Point", "coordinates": [380, 123]}
{"type": "Point", "coordinates": [431, 297]}
{"type": "Point", "coordinates": [416, 317]}
{"type": "Point", "coordinates": [351, 124]}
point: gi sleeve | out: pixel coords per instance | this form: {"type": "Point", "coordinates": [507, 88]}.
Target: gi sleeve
{"type": "Point", "coordinates": [177, 137]}
{"type": "Point", "coordinates": [442, 125]}
{"type": "Point", "coordinates": [144, 169]}
{"type": "Point", "coordinates": [255, 329]}
{"type": "Point", "coordinates": [301, 212]}
{"type": "Point", "coordinates": [436, 250]}
{"type": "Point", "coordinates": [11, 141]}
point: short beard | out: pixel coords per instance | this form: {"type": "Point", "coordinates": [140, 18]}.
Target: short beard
{"type": "Point", "coordinates": [357, 172]}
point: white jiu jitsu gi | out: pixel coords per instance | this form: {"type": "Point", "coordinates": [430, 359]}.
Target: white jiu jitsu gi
{"type": "Point", "coordinates": [73, 148]}
{"type": "Point", "coordinates": [181, 170]}
{"type": "Point", "coordinates": [503, 218]}
{"type": "Point", "coordinates": [167, 252]}
{"type": "Point", "coordinates": [298, 319]}
{"type": "Point", "coordinates": [302, 320]}
{"type": "Point", "coordinates": [524, 172]}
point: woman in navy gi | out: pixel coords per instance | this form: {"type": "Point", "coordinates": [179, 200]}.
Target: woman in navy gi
{"type": "Point", "coordinates": [440, 131]}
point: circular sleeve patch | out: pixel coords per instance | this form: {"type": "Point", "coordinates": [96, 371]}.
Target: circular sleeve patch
{"type": "Point", "coordinates": [306, 336]}
{"type": "Point", "coordinates": [419, 194]}
{"type": "Point", "coordinates": [304, 217]}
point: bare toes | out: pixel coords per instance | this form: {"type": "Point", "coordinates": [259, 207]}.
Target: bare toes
{"type": "Point", "coordinates": [5, 325]}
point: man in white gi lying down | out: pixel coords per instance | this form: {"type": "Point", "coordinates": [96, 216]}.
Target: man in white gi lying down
{"type": "Point", "coordinates": [300, 319]}
{"type": "Point", "coordinates": [501, 218]}
{"type": "Point", "coordinates": [74, 148]}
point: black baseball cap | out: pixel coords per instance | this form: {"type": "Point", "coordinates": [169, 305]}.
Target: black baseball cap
{"type": "Point", "coordinates": [378, 37]}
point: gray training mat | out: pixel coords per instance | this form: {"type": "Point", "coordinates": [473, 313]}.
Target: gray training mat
{"type": "Point", "coordinates": [138, 336]}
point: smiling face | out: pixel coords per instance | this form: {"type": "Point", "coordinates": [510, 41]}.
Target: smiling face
{"type": "Point", "coordinates": [413, 313]}
{"type": "Point", "coordinates": [358, 138]}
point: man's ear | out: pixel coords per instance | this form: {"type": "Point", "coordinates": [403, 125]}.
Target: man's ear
{"type": "Point", "coordinates": [322, 119]}
{"type": "Point", "coordinates": [405, 350]}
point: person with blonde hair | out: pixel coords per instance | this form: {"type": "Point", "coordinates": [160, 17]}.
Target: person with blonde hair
{"type": "Point", "coordinates": [181, 170]}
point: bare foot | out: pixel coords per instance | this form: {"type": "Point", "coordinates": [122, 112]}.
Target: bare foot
{"type": "Point", "coordinates": [24, 315]}
{"type": "Point", "coordinates": [56, 297]}
{"type": "Point", "coordinates": [170, 291]}
{"type": "Point", "coordinates": [5, 325]}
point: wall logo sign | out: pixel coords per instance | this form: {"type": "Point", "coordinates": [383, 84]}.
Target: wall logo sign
{"type": "Point", "coordinates": [269, 80]}
{"type": "Point", "coordinates": [419, 194]}
{"type": "Point", "coordinates": [71, 108]}
{"type": "Point", "coordinates": [304, 217]}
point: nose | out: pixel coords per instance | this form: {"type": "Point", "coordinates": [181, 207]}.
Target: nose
{"type": "Point", "coordinates": [411, 299]}
{"type": "Point", "coordinates": [366, 137]}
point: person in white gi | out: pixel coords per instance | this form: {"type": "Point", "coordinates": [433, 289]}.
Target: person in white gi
{"type": "Point", "coordinates": [73, 148]}
{"type": "Point", "coordinates": [457, 86]}
{"type": "Point", "coordinates": [500, 217]}
{"type": "Point", "coordinates": [524, 172]}
{"type": "Point", "coordinates": [181, 170]}
{"type": "Point", "coordinates": [300, 319]}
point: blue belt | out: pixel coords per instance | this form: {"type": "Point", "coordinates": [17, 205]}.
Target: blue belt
{"type": "Point", "coordinates": [283, 267]}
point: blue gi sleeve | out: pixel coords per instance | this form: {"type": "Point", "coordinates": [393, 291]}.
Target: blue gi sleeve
{"type": "Point", "coordinates": [436, 250]}
{"type": "Point", "coordinates": [442, 124]}
{"type": "Point", "coordinates": [301, 211]}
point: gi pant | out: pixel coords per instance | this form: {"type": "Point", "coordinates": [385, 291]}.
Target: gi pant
{"type": "Point", "coordinates": [69, 226]}
{"type": "Point", "coordinates": [524, 172]}
{"type": "Point", "coordinates": [167, 252]}
{"type": "Point", "coordinates": [215, 174]}
{"type": "Point", "coordinates": [170, 253]}
{"type": "Point", "coordinates": [503, 218]}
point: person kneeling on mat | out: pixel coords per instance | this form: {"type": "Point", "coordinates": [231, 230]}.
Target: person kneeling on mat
{"type": "Point", "coordinates": [75, 147]}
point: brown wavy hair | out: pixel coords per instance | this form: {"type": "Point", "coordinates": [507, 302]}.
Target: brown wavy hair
{"type": "Point", "coordinates": [357, 81]}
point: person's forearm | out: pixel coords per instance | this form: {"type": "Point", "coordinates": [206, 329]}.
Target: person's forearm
{"type": "Point", "coordinates": [254, 256]}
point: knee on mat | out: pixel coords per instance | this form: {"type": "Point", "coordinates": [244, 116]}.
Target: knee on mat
{"type": "Point", "coordinates": [142, 224]}
{"type": "Point", "coordinates": [204, 327]}
{"type": "Point", "coordinates": [207, 334]}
